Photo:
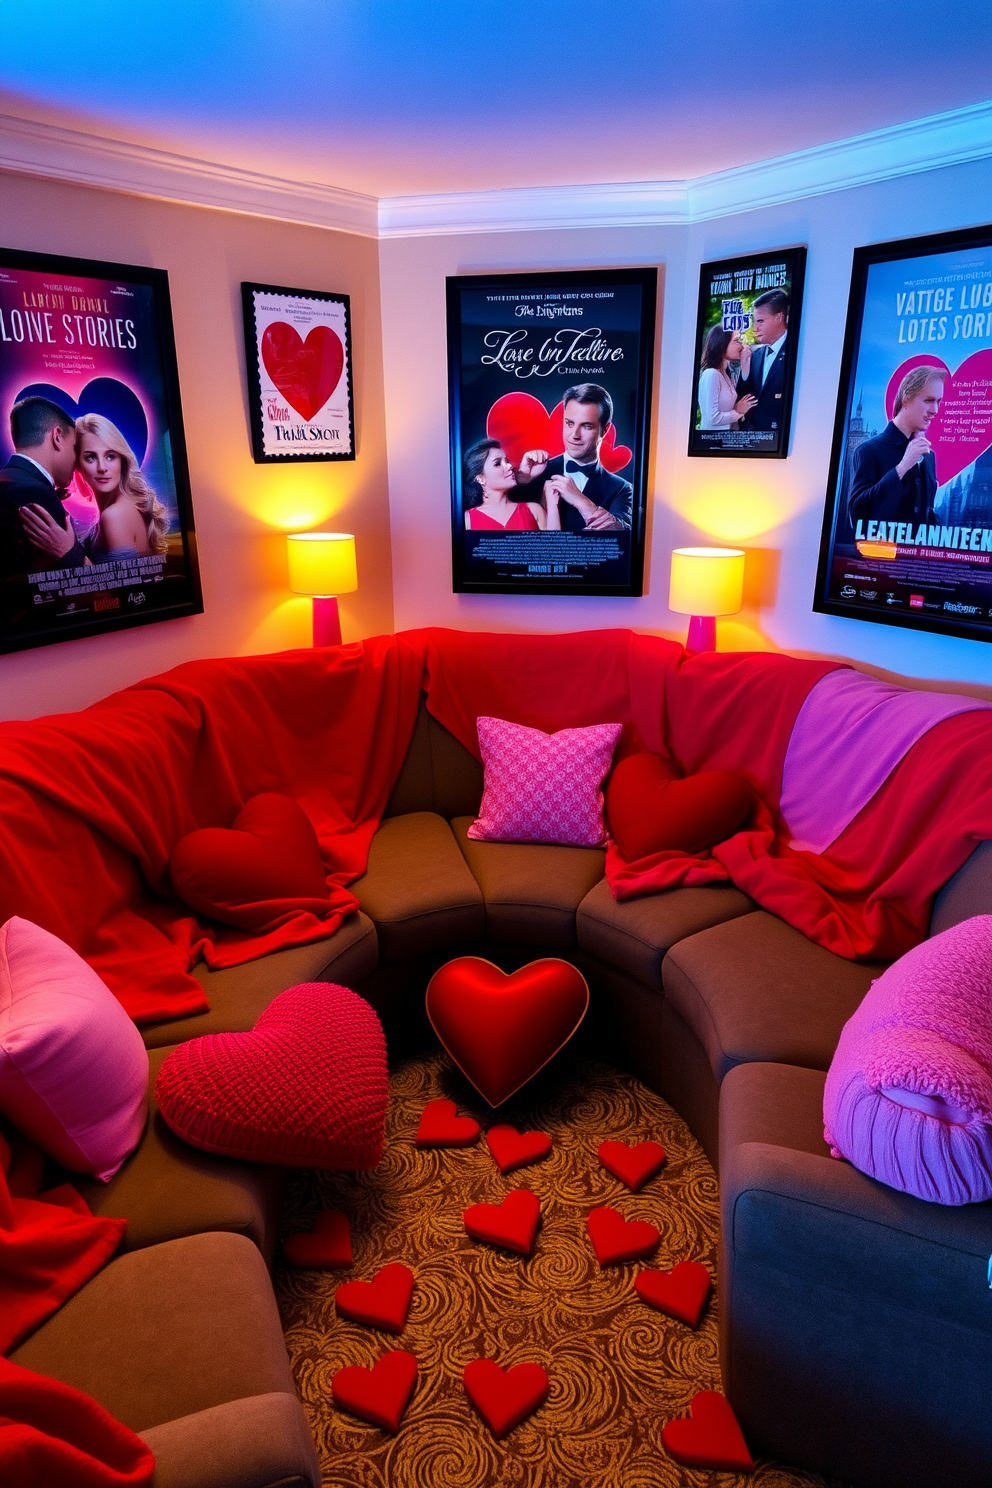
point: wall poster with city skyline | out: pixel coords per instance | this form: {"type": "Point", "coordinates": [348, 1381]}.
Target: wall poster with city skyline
{"type": "Point", "coordinates": [907, 530]}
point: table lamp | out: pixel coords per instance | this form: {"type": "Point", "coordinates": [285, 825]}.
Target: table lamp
{"type": "Point", "coordinates": [706, 582]}
{"type": "Point", "coordinates": [322, 564]}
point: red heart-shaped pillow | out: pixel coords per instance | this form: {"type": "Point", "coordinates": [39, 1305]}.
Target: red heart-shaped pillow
{"type": "Point", "coordinates": [380, 1394]}
{"type": "Point", "coordinates": [382, 1302]}
{"type": "Point", "coordinates": [615, 1239]}
{"type": "Point", "coordinates": [650, 810]}
{"type": "Point", "coordinates": [500, 1030]}
{"type": "Point", "coordinates": [512, 1224]}
{"type": "Point", "coordinates": [512, 1149]}
{"type": "Point", "coordinates": [634, 1165]}
{"type": "Point", "coordinates": [681, 1293]}
{"type": "Point", "coordinates": [712, 1438]}
{"type": "Point", "coordinates": [441, 1126]}
{"type": "Point", "coordinates": [306, 1088]}
{"type": "Point", "coordinates": [503, 1397]}
{"type": "Point", "coordinates": [265, 866]}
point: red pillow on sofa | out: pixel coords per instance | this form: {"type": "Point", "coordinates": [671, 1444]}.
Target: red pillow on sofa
{"type": "Point", "coordinates": [306, 1088]}
{"type": "Point", "coordinates": [264, 866]}
{"type": "Point", "coordinates": [650, 809]}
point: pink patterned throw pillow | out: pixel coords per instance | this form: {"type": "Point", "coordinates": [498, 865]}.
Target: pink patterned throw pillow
{"type": "Point", "coordinates": [543, 787]}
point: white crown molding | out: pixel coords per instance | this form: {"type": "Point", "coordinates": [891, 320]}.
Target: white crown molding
{"type": "Point", "coordinates": [67, 155]}
{"type": "Point", "coordinates": [904, 149]}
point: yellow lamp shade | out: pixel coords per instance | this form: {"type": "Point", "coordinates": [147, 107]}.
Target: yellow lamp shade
{"type": "Point", "coordinates": [322, 563]}
{"type": "Point", "coordinates": [706, 581]}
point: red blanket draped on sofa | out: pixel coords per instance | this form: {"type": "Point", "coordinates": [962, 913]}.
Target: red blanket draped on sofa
{"type": "Point", "coordinates": [92, 803]}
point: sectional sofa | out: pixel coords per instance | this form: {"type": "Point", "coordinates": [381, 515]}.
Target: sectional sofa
{"type": "Point", "coordinates": [856, 1322]}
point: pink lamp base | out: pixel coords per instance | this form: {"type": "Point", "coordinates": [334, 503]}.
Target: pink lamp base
{"type": "Point", "coordinates": [326, 621]}
{"type": "Point", "coordinates": [702, 633]}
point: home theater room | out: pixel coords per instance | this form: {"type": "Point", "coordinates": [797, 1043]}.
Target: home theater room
{"type": "Point", "coordinates": [495, 745]}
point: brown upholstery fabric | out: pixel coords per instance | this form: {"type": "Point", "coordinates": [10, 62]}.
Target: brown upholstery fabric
{"type": "Point", "coordinates": [968, 893]}
{"type": "Point", "coordinates": [168, 1331]}
{"type": "Point", "coordinates": [261, 1442]}
{"type": "Point", "coordinates": [418, 890]}
{"type": "Point", "coordinates": [776, 1103]}
{"type": "Point", "coordinates": [754, 989]}
{"type": "Point", "coordinates": [167, 1189]}
{"type": "Point", "coordinates": [531, 890]}
{"type": "Point", "coordinates": [240, 994]}
{"type": "Point", "coordinates": [635, 935]}
{"type": "Point", "coordinates": [438, 774]}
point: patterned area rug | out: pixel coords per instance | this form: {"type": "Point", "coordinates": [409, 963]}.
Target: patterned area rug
{"type": "Point", "coordinates": [618, 1369]}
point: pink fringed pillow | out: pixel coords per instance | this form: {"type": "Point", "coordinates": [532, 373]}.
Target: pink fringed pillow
{"type": "Point", "coordinates": [543, 787]}
{"type": "Point", "coordinates": [908, 1098]}
{"type": "Point", "coordinates": [73, 1067]}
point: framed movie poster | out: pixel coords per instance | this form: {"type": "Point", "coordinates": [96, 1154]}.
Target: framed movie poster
{"type": "Point", "coordinates": [550, 403]}
{"type": "Point", "coordinates": [298, 355]}
{"type": "Point", "coordinates": [907, 529]}
{"type": "Point", "coordinates": [747, 334]}
{"type": "Point", "coordinates": [96, 523]}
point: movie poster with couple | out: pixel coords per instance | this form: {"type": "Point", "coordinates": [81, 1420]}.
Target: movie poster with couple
{"type": "Point", "coordinates": [747, 335]}
{"type": "Point", "coordinates": [907, 533]}
{"type": "Point", "coordinates": [550, 404]}
{"type": "Point", "coordinates": [96, 526]}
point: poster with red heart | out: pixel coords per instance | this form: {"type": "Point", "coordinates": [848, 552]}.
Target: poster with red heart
{"type": "Point", "coordinates": [549, 410]}
{"type": "Point", "coordinates": [96, 522]}
{"type": "Point", "coordinates": [907, 534]}
{"type": "Point", "coordinates": [298, 356]}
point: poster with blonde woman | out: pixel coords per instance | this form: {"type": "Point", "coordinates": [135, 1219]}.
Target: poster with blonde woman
{"type": "Point", "coordinates": [96, 523]}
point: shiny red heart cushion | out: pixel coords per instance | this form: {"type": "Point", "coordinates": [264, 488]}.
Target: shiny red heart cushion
{"type": "Point", "coordinates": [305, 372]}
{"type": "Point", "coordinates": [307, 1087]}
{"type": "Point", "coordinates": [615, 1239]}
{"type": "Point", "coordinates": [503, 1397]}
{"type": "Point", "coordinates": [264, 866]}
{"type": "Point", "coordinates": [382, 1302]}
{"type": "Point", "coordinates": [648, 810]}
{"type": "Point", "coordinates": [441, 1126]}
{"type": "Point", "coordinates": [634, 1165]}
{"type": "Point", "coordinates": [327, 1247]}
{"type": "Point", "coordinates": [512, 1224]}
{"type": "Point", "coordinates": [512, 1149]}
{"type": "Point", "coordinates": [380, 1394]}
{"type": "Point", "coordinates": [712, 1438]}
{"type": "Point", "coordinates": [681, 1292]}
{"type": "Point", "coordinates": [500, 1030]}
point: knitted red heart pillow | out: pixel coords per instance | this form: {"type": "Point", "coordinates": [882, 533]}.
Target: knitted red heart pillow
{"type": "Point", "coordinates": [266, 865]}
{"type": "Point", "coordinates": [306, 1088]}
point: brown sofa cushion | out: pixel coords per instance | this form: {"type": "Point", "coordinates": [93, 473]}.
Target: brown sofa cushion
{"type": "Point", "coordinates": [167, 1189]}
{"type": "Point", "coordinates": [261, 1442]}
{"type": "Point", "coordinates": [532, 891]}
{"type": "Point", "coordinates": [967, 894]}
{"type": "Point", "coordinates": [755, 989]}
{"type": "Point", "coordinates": [438, 774]}
{"type": "Point", "coordinates": [168, 1331]}
{"type": "Point", "coordinates": [239, 995]}
{"type": "Point", "coordinates": [635, 935]}
{"type": "Point", "coordinates": [417, 889]}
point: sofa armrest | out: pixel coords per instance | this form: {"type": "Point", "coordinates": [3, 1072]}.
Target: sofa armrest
{"type": "Point", "coordinates": [261, 1442]}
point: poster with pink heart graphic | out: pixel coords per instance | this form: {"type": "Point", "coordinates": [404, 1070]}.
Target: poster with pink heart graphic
{"type": "Point", "coordinates": [907, 534]}
{"type": "Point", "coordinates": [549, 411]}
{"type": "Point", "coordinates": [298, 355]}
{"type": "Point", "coordinates": [96, 521]}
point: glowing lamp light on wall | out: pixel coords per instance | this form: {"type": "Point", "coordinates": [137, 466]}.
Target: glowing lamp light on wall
{"type": "Point", "coordinates": [706, 582]}
{"type": "Point", "coordinates": [322, 564]}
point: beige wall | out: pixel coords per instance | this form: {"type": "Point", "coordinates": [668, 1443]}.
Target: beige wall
{"type": "Point", "coordinates": [241, 508]}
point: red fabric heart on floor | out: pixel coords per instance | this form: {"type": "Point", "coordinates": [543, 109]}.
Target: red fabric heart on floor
{"type": "Point", "coordinates": [648, 810]}
{"type": "Point", "coordinates": [305, 372]}
{"type": "Point", "coordinates": [512, 1224]}
{"type": "Point", "coordinates": [382, 1302]}
{"type": "Point", "coordinates": [264, 867]}
{"type": "Point", "coordinates": [503, 1397]}
{"type": "Point", "coordinates": [500, 1030]}
{"type": "Point", "coordinates": [615, 1239]}
{"type": "Point", "coordinates": [712, 1438]}
{"type": "Point", "coordinates": [441, 1126]}
{"type": "Point", "coordinates": [380, 1394]}
{"type": "Point", "coordinates": [681, 1292]}
{"type": "Point", "coordinates": [513, 1149]}
{"type": "Point", "coordinates": [633, 1165]}
{"type": "Point", "coordinates": [327, 1247]}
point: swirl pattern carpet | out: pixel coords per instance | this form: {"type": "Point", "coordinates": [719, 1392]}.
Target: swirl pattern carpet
{"type": "Point", "coordinates": [618, 1369]}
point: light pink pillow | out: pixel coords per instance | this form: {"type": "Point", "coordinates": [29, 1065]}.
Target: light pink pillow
{"type": "Point", "coordinates": [908, 1098]}
{"type": "Point", "coordinates": [73, 1068]}
{"type": "Point", "coordinates": [543, 787]}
